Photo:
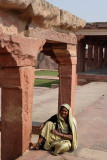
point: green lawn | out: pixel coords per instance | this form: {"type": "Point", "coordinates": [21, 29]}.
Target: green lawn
{"type": "Point", "coordinates": [45, 82]}
{"type": "Point", "coordinates": [46, 73]}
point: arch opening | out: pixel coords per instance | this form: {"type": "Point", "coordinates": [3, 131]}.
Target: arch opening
{"type": "Point", "coordinates": [45, 99]}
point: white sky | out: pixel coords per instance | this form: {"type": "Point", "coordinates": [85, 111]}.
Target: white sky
{"type": "Point", "coordinates": [89, 10]}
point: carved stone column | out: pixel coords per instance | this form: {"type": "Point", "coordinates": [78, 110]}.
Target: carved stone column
{"type": "Point", "coordinates": [100, 56]}
{"type": "Point", "coordinates": [17, 99]}
{"type": "Point", "coordinates": [105, 57]}
{"type": "Point", "coordinates": [67, 60]}
{"type": "Point", "coordinates": [89, 62]}
{"type": "Point", "coordinates": [95, 62]}
{"type": "Point", "coordinates": [81, 56]}
{"type": "Point", "coordinates": [17, 58]}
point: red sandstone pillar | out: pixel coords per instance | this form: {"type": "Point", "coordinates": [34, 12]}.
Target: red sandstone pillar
{"type": "Point", "coordinates": [89, 62]}
{"type": "Point", "coordinates": [81, 56]}
{"type": "Point", "coordinates": [17, 56]}
{"type": "Point", "coordinates": [17, 99]}
{"type": "Point", "coordinates": [95, 62]}
{"type": "Point", "coordinates": [101, 56]}
{"type": "Point", "coordinates": [105, 57]}
{"type": "Point", "coordinates": [65, 56]}
{"type": "Point", "coordinates": [67, 77]}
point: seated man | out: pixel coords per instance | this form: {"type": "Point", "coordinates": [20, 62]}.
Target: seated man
{"type": "Point", "coordinates": [59, 133]}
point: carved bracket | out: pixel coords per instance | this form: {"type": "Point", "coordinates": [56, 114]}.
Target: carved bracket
{"type": "Point", "coordinates": [65, 53]}
{"type": "Point", "coordinates": [19, 51]}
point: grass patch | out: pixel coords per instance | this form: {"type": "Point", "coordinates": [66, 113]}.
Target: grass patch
{"type": "Point", "coordinates": [45, 82]}
{"type": "Point", "coordinates": [46, 73]}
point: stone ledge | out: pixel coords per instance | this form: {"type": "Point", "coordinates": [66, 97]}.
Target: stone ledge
{"type": "Point", "coordinates": [87, 78]}
{"type": "Point", "coordinates": [54, 85]}
{"type": "Point", "coordinates": [34, 129]}
{"type": "Point", "coordinates": [96, 25]}
{"type": "Point", "coordinates": [44, 14]}
{"type": "Point", "coordinates": [50, 35]}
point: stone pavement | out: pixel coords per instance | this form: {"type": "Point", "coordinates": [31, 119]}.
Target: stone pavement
{"type": "Point", "coordinates": [90, 112]}
{"type": "Point", "coordinates": [47, 77]}
{"type": "Point", "coordinates": [46, 99]}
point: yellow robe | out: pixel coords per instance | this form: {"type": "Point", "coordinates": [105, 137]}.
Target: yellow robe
{"type": "Point", "coordinates": [59, 144]}
{"type": "Point", "coordinates": [53, 141]}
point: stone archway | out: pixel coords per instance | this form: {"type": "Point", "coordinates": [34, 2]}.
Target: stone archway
{"type": "Point", "coordinates": [23, 33]}
{"type": "Point", "coordinates": [17, 79]}
{"type": "Point", "coordinates": [65, 56]}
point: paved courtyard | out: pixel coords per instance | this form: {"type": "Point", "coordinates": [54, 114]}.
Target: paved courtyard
{"type": "Point", "coordinates": [45, 100]}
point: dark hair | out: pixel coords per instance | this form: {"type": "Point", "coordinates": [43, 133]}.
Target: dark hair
{"type": "Point", "coordinates": [63, 107]}
{"type": "Point", "coordinates": [67, 121]}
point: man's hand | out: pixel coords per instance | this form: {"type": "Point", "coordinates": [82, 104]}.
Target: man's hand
{"type": "Point", "coordinates": [54, 131]}
{"type": "Point", "coordinates": [41, 126]}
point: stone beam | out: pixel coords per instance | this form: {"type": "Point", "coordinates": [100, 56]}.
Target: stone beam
{"type": "Point", "coordinates": [14, 4]}
{"type": "Point", "coordinates": [51, 35]}
{"type": "Point", "coordinates": [90, 32]}
{"type": "Point", "coordinates": [97, 28]}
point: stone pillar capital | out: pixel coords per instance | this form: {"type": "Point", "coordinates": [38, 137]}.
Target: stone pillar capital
{"type": "Point", "coordinates": [65, 53]}
{"type": "Point", "coordinates": [19, 51]}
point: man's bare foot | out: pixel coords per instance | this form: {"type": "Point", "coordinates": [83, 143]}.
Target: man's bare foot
{"type": "Point", "coordinates": [30, 145]}
{"type": "Point", "coordinates": [35, 146]}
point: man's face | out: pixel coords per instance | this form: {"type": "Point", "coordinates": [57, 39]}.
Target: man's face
{"type": "Point", "coordinates": [64, 112]}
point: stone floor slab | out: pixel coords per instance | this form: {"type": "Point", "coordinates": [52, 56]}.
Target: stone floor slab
{"type": "Point", "coordinates": [92, 126]}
